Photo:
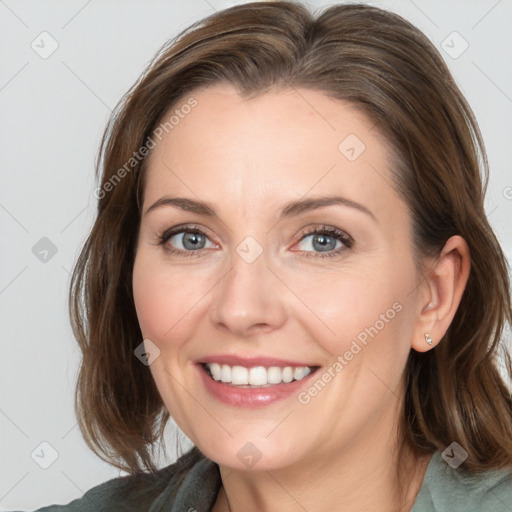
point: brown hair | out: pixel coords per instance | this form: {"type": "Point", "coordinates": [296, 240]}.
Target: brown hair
{"type": "Point", "coordinates": [387, 68]}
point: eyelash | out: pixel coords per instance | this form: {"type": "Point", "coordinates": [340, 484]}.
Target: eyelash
{"type": "Point", "coordinates": [335, 233]}
{"type": "Point", "coordinates": [346, 240]}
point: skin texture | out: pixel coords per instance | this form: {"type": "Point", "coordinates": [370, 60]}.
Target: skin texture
{"type": "Point", "coordinates": [248, 158]}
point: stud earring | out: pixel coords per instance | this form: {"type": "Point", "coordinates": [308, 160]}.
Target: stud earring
{"type": "Point", "coordinates": [428, 339]}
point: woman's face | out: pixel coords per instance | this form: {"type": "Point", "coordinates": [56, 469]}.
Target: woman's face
{"type": "Point", "coordinates": [252, 292]}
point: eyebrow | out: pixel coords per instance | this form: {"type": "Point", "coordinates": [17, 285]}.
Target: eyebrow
{"type": "Point", "coordinates": [289, 210]}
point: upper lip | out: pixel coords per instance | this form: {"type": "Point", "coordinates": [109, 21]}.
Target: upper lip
{"type": "Point", "coordinates": [250, 362]}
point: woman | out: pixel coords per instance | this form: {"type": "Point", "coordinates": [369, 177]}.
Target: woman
{"type": "Point", "coordinates": [291, 217]}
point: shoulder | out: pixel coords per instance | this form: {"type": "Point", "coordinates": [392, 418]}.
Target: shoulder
{"type": "Point", "coordinates": [455, 489]}
{"type": "Point", "coordinates": [133, 493]}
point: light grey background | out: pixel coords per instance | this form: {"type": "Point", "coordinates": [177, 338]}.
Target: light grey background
{"type": "Point", "coordinates": [53, 112]}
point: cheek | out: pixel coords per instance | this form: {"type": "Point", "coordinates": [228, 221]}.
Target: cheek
{"type": "Point", "coordinates": [162, 297]}
{"type": "Point", "coordinates": [170, 301]}
{"type": "Point", "coordinates": [358, 310]}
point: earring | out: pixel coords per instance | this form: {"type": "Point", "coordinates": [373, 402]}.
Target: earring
{"type": "Point", "coordinates": [428, 339]}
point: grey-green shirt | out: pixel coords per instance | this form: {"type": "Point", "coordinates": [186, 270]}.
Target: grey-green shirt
{"type": "Point", "coordinates": [443, 490]}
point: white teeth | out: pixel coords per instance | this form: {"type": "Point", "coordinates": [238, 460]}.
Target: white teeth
{"type": "Point", "coordinates": [287, 374]}
{"type": "Point", "coordinates": [239, 376]}
{"type": "Point", "coordinates": [216, 371]}
{"type": "Point", "coordinates": [257, 375]}
{"type": "Point", "coordinates": [225, 374]}
{"type": "Point", "coordinates": [275, 375]}
{"type": "Point", "coordinates": [300, 373]}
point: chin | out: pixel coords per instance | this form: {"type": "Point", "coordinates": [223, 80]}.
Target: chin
{"type": "Point", "coordinates": [251, 453]}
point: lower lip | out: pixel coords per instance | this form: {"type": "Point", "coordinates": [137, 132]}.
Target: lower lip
{"type": "Point", "coordinates": [250, 397]}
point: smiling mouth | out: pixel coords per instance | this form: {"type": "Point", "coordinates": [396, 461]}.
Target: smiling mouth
{"type": "Point", "coordinates": [256, 376]}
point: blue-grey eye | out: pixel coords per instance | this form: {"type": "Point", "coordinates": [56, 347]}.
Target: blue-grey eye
{"type": "Point", "coordinates": [189, 241]}
{"type": "Point", "coordinates": [320, 242]}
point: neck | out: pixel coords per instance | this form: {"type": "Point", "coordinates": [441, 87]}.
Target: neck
{"type": "Point", "coordinates": [350, 480]}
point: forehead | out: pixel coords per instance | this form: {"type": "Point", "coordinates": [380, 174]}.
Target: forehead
{"type": "Point", "coordinates": [275, 146]}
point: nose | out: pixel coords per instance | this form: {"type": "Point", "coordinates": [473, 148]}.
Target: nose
{"type": "Point", "coordinates": [249, 299]}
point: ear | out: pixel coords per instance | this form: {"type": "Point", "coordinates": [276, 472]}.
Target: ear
{"type": "Point", "coordinates": [441, 293]}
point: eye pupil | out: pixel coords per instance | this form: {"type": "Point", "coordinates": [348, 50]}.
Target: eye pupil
{"type": "Point", "coordinates": [195, 239]}
{"type": "Point", "coordinates": [325, 242]}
